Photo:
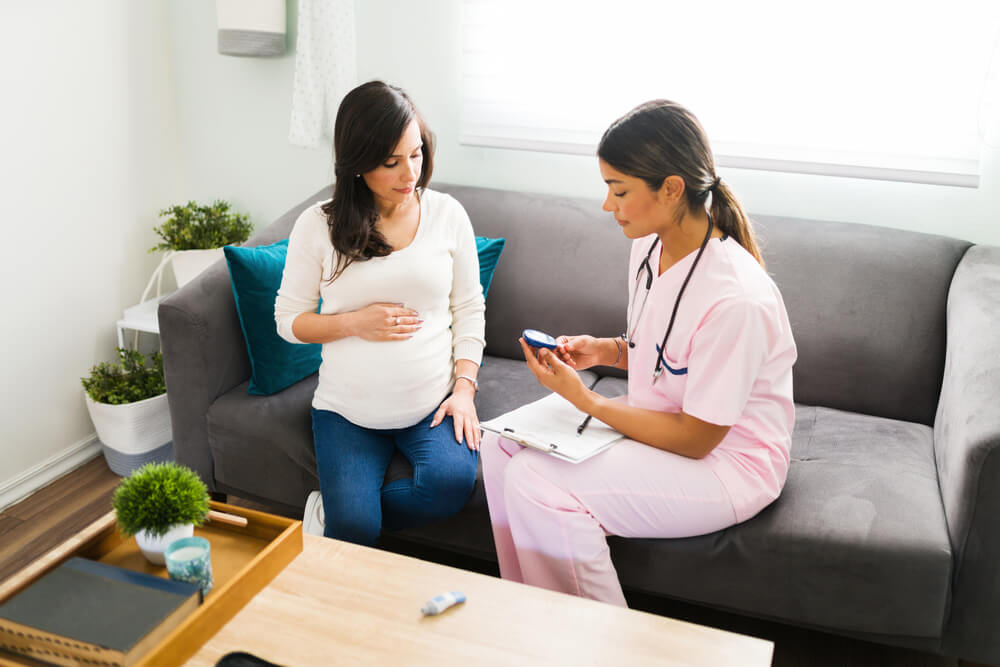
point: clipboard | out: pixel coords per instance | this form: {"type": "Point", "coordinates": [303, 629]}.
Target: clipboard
{"type": "Point", "coordinates": [549, 425]}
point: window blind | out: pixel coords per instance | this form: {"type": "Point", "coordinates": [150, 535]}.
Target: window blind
{"type": "Point", "coordinates": [888, 90]}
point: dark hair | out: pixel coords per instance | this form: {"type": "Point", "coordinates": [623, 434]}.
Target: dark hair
{"type": "Point", "coordinates": [370, 122]}
{"type": "Point", "coordinates": [661, 138]}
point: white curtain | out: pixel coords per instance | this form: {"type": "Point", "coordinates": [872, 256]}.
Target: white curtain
{"type": "Point", "coordinates": [325, 68]}
{"type": "Point", "coordinates": [888, 89]}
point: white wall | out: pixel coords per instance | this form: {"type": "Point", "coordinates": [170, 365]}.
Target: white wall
{"type": "Point", "coordinates": [233, 118]}
{"type": "Point", "coordinates": [115, 109]}
{"type": "Point", "coordinates": [88, 153]}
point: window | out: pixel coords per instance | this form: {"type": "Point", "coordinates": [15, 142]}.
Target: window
{"type": "Point", "coordinates": [886, 89]}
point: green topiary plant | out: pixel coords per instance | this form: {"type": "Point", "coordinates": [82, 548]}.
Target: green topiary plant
{"type": "Point", "coordinates": [159, 496]}
{"type": "Point", "coordinates": [194, 227]}
{"type": "Point", "coordinates": [128, 381]}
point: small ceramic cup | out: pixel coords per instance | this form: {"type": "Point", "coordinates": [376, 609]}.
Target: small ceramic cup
{"type": "Point", "coordinates": [189, 559]}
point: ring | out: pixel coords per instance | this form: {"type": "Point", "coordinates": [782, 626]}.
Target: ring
{"type": "Point", "coordinates": [397, 320]}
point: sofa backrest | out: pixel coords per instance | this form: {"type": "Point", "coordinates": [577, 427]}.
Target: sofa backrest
{"type": "Point", "coordinates": [562, 271]}
{"type": "Point", "coordinates": [866, 304]}
{"type": "Point", "coordinates": [868, 309]}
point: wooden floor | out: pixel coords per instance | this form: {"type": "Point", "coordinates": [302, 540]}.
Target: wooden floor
{"type": "Point", "coordinates": [45, 519]}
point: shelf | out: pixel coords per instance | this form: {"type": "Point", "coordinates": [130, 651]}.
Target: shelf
{"type": "Point", "coordinates": [141, 317]}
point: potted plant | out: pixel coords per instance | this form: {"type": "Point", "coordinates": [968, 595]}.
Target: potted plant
{"type": "Point", "coordinates": [194, 235]}
{"type": "Point", "coordinates": [160, 503]}
{"type": "Point", "coordinates": [127, 402]}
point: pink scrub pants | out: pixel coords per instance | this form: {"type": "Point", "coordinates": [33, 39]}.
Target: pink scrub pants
{"type": "Point", "coordinates": [551, 518]}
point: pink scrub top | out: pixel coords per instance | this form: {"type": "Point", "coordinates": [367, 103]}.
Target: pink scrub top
{"type": "Point", "coordinates": [733, 337]}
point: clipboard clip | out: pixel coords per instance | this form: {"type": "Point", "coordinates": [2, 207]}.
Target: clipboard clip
{"type": "Point", "coordinates": [552, 446]}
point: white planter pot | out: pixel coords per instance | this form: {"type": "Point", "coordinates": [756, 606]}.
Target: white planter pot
{"type": "Point", "coordinates": [189, 263]}
{"type": "Point", "coordinates": [153, 547]}
{"type": "Point", "coordinates": [135, 432]}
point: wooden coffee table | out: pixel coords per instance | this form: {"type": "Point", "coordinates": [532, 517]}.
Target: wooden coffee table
{"type": "Point", "coordinates": [338, 603]}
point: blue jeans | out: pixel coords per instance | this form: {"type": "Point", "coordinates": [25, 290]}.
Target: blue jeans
{"type": "Point", "coordinates": [352, 461]}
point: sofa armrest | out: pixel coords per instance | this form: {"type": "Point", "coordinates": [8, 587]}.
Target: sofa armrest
{"type": "Point", "coordinates": [967, 452]}
{"type": "Point", "coordinates": [204, 353]}
{"type": "Point", "coordinates": [204, 356]}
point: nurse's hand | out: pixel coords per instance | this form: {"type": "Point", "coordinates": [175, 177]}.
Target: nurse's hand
{"type": "Point", "coordinates": [553, 373]}
{"type": "Point", "coordinates": [580, 352]}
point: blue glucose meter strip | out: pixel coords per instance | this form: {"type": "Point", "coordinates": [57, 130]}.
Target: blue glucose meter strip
{"type": "Point", "coordinates": [538, 339]}
{"type": "Point", "coordinates": [441, 602]}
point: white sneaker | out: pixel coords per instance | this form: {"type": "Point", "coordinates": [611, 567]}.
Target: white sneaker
{"type": "Point", "coordinates": [314, 520]}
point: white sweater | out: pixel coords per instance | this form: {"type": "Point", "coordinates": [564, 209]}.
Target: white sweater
{"type": "Point", "coordinates": [390, 384]}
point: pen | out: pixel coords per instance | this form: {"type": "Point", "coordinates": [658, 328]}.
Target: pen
{"type": "Point", "coordinates": [579, 429]}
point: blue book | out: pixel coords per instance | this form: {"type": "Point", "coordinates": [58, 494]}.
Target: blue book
{"type": "Point", "coordinates": [87, 610]}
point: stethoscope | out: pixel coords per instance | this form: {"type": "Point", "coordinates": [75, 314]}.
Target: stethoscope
{"type": "Point", "coordinates": [629, 336]}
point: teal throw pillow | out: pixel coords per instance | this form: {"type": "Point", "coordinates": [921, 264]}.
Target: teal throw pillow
{"type": "Point", "coordinates": [255, 274]}
{"type": "Point", "coordinates": [275, 364]}
{"type": "Point", "coordinates": [489, 254]}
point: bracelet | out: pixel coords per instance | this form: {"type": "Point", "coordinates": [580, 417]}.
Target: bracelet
{"type": "Point", "coordinates": [471, 379]}
{"type": "Point", "coordinates": [619, 357]}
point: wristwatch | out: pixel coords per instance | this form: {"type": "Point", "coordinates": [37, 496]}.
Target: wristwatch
{"type": "Point", "coordinates": [471, 379]}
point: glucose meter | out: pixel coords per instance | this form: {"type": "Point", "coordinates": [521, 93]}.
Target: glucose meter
{"type": "Point", "coordinates": [538, 339]}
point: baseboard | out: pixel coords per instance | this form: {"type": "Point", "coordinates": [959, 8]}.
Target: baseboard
{"type": "Point", "coordinates": [20, 487]}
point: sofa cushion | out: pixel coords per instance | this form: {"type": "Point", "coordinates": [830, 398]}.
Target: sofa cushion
{"type": "Point", "coordinates": [857, 541]}
{"type": "Point", "coordinates": [255, 274]}
{"type": "Point", "coordinates": [248, 433]}
{"type": "Point", "coordinates": [489, 254]}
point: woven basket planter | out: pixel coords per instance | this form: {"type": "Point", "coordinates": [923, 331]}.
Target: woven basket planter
{"type": "Point", "coordinates": [133, 434]}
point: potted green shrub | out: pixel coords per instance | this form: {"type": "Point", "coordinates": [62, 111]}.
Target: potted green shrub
{"type": "Point", "coordinates": [160, 503]}
{"type": "Point", "coordinates": [127, 402]}
{"type": "Point", "coordinates": [194, 234]}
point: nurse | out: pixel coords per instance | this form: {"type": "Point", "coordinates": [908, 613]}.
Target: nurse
{"type": "Point", "coordinates": [709, 353]}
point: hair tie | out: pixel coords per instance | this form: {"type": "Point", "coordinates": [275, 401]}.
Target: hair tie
{"type": "Point", "coordinates": [711, 188]}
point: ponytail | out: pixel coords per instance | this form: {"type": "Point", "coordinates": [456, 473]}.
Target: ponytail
{"type": "Point", "coordinates": [731, 219]}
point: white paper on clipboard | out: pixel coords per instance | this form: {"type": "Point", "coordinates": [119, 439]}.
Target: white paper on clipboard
{"type": "Point", "coordinates": [549, 424]}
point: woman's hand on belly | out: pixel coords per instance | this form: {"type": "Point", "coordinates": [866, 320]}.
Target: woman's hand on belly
{"type": "Point", "coordinates": [386, 322]}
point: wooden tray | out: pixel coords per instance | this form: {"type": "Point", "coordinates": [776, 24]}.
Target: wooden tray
{"type": "Point", "coordinates": [244, 561]}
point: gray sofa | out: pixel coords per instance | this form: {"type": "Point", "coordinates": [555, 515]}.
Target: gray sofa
{"type": "Point", "coordinates": [887, 527]}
